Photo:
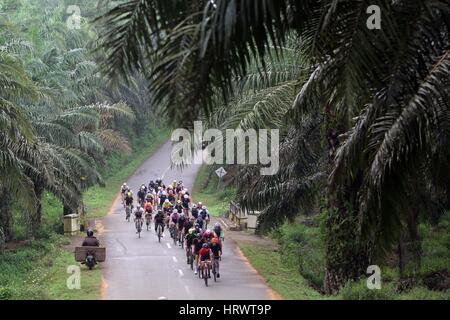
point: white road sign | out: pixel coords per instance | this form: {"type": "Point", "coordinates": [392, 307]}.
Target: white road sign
{"type": "Point", "coordinates": [221, 172]}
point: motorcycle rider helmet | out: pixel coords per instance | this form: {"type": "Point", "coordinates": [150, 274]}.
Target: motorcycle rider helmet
{"type": "Point", "coordinates": [90, 233]}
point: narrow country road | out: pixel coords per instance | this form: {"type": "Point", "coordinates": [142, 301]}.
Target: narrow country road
{"type": "Point", "coordinates": [145, 269]}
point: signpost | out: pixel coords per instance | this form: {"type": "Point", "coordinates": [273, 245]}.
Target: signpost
{"type": "Point", "coordinates": [220, 173]}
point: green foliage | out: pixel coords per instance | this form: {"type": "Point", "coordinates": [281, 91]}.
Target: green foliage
{"type": "Point", "coordinates": [303, 248]}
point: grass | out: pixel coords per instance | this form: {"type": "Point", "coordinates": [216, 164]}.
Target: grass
{"type": "Point", "coordinates": [90, 280]}
{"type": "Point", "coordinates": [282, 278]}
{"type": "Point", "coordinates": [98, 199]}
{"type": "Point", "coordinates": [216, 200]}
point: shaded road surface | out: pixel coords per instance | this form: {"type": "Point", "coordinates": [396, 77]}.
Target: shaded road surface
{"type": "Point", "coordinates": [145, 269]}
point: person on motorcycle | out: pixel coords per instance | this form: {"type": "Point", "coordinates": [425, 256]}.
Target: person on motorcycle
{"type": "Point", "coordinates": [159, 220]}
{"type": "Point", "coordinates": [90, 240]}
{"type": "Point", "coordinates": [138, 213]}
{"type": "Point", "coordinates": [141, 195]}
{"type": "Point", "coordinates": [216, 250]}
{"type": "Point", "coordinates": [205, 257]}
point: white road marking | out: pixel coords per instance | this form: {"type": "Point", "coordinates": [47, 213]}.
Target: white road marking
{"type": "Point", "coordinates": [180, 272]}
{"type": "Point", "coordinates": [175, 259]}
{"type": "Point", "coordinates": [165, 171]}
{"type": "Point", "coordinates": [168, 245]}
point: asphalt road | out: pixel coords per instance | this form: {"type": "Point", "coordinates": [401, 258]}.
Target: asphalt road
{"type": "Point", "coordinates": [142, 268]}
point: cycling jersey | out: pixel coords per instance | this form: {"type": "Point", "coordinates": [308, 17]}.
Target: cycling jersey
{"type": "Point", "coordinates": [128, 200]}
{"type": "Point", "coordinates": [205, 254]}
{"type": "Point", "coordinates": [138, 214]}
{"type": "Point", "coordinates": [174, 217]}
{"type": "Point", "coordinates": [148, 207]}
{"type": "Point", "coordinates": [216, 250]}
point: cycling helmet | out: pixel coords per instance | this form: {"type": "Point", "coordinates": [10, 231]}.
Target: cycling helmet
{"type": "Point", "coordinates": [205, 208]}
{"type": "Point", "coordinates": [175, 211]}
{"type": "Point", "coordinates": [166, 201]}
{"type": "Point", "coordinates": [164, 193]}
{"type": "Point", "coordinates": [194, 206]}
{"type": "Point", "coordinates": [142, 187]}
{"type": "Point", "coordinates": [205, 245]}
{"type": "Point", "coordinates": [124, 184]}
{"type": "Point", "coordinates": [138, 206]}
{"type": "Point", "coordinates": [90, 233]}
{"type": "Point", "coordinates": [208, 232]}
{"type": "Point", "coordinates": [214, 241]}
{"type": "Point", "coordinates": [191, 230]}
{"type": "Point", "coordinates": [129, 193]}
{"type": "Point", "coordinates": [200, 204]}
{"type": "Point", "coordinates": [217, 225]}
{"type": "Point", "coordinates": [186, 196]}
{"type": "Point", "coordinates": [179, 201]}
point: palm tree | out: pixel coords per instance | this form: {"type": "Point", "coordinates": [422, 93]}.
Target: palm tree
{"type": "Point", "coordinates": [394, 80]}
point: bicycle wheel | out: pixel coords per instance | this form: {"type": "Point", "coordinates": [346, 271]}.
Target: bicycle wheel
{"type": "Point", "coordinates": [205, 275]}
{"type": "Point", "coordinates": [192, 261]}
{"type": "Point", "coordinates": [214, 271]}
{"type": "Point", "coordinates": [159, 233]}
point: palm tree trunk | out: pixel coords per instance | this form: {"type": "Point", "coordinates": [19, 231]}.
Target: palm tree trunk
{"type": "Point", "coordinates": [36, 217]}
{"type": "Point", "coordinates": [5, 215]}
{"type": "Point", "coordinates": [347, 258]}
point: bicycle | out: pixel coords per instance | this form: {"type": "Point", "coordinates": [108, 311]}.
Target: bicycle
{"type": "Point", "coordinates": [190, 256]}
{"type": "Point", "coordinates": [205, 272]}
{"type": "Point", "coordinates": [128, 210]}
{"type": "Point", "coordinates": [138, 224]}
{"type": "Point", "coordinates": [159, 228]}
{"type": "Point", "coordinates": [148, 220]}
{"type": "Point", "coordinates": [215, 267]}
{"type": "Point", "coordinates": [181, 237]}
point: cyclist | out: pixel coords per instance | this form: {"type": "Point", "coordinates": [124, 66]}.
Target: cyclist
{"type": "Point", "coordinates": [199, 221]}
{"type": "Point", "coordinates": [179, 206]}
{"type": "Point", "coordinates": [141, 195]}
{"type": "Point", "coordinates": [163, 198]}
{"type": "Point", "coordinates": [174, 221]}
{"type": "Point", "coordinates": [159, 220]}
{"type": "Point", "coordinates": [166, 205]}
{"type": "Point", "coordinates": [194, 211]}
{"type": "Point", "coordinates": [216, 250]}
{"type": "Point", "coordinates": [152, 185]}
{"type": "Point", "coordinates": [218, 231]}
{"type": "Point", "coordinates": [123, 190]}
{"type": "Point", "coordinates": [171, 196]}
{"type": "Point", "coordinates": [129, 198]}
{"type": "Point", "coordinates": [138, 213]}
{"type": "Point", "coordinates": [207, 236]}
{"type": "Point", "coordinates": [174, 184]}
{"type": "Point", "coordinates": [159, 182]}
{"type": "Point", "coordinates": [180, 225]}
{"type": "Point", "coordinates": [188, 224]}
{"type": "Point", "coordinates": [205, 216]}
{"type": "Point", "coordinates": [149, 198]}
{"type": "Point", "coordinates": [205, 257]}
{"type": "Point", "coordinates": [197, 242]}
{"type": "Point", "coordinates": [189, 237]}
{"type": "Point", "coordinates": [179, 186]}
{"type": "Point", "coordinates": [185, 200]}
